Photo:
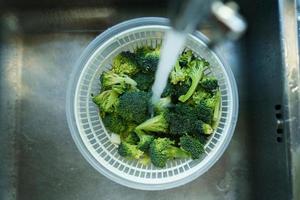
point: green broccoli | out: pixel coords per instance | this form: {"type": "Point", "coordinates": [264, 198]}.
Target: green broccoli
{"type": "Point", "coordinates": [181, 119]}
{"type": "Point", "coordinates": [196, 73]}
{"type": "Point", "coordinates": [203, 128]}
{"type": "Point", "coordinates": [140, 139]}
{"type": "Point", "coordinates": [125, 63]}
{"type": "Point", "coordinates": [204, 112]}
{"type": "Point", "coordinates": [191, 145]}
{"type": "Point", "coordinates": [144, 141]}
{"type": "Point", "coordinates": [130, 127]}
{"type": "Point", "coordinates": [184, 116]}
{"type": "Point", "coordinates": [162, 105]}
{"type": "Point", "coordinates": [210, 84]}
{"type": "Point", "coordinates": [185, 58]}
{"type": "Point", "coordinates": [168, 90]}
{"type": "Point", "coordinates": [147, 59]}
{"type": "Point", "coordinates": [208, 109]}
{"type": "Point", "coordinates": [114, 123]}
{"type": "Point", "coordinates": [217, 108]}
{"type": "Point", "coordinates": [129, 150]}
{"type": "Point", "coordinates": [145, 160]}
{"type": "Point", "coordinates": [175, 91]}
{"type": "Point", "coordinates": [178, 74]}
{"type": "Point", "coordinates": [200, 95]}
{"type": "Point", "coordinates": [130, 137]}
{"type": "Point", "coordinates": [142, 51]}
{"type": "Point", "coordinates": [154, 124]}
{"type": "Point", "coordinates": [133, 106]}
{"type": "Point", "coordinates": [161, 150]}
{"type": "Point", "coordinates": [144, 81]}
{"type": "Point", "coordinates": [178, 90]}
{"type": "Point", "coordinates": [107, 100]}
{"type": "Point", "coordinates": [211, 102]}
{"type": "Point", "coordinates": [109, 79]}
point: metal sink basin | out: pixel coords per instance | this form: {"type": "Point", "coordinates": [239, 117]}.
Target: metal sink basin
{"type": "Point", "coordinates": [39, 160]}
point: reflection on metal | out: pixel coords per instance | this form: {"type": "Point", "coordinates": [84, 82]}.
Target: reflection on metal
{"type": "Point", "coordinates": [42, 130]}
{"type": "Point", "coordinates": [291, 78]}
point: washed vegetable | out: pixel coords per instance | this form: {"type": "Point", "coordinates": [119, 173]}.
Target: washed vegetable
{"type": "Point", "coordinates": [162, 150]}
{"type": "Point", "coordinates": [183, 119]}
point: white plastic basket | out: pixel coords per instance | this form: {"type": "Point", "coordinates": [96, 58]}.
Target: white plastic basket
{"type": "Point", "coordinates": [89, 133]}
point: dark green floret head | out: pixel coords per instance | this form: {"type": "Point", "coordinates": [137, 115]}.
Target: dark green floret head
{"type": "Point", "coordinates": [114, 123]}
{"type": "Point", "coordinates": [192, 145]}
{"type": "Point", "coordinates": [210, 84]}
{"type": "Point", "coordinates": [125, 63]}
{"type": "Point", "coordinates": [133, 106]}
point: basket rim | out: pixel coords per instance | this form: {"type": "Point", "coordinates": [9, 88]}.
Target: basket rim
{"type": "Point", "coordinates": [70, 100]}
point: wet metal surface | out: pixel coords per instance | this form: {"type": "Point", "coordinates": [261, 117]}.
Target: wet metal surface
{"type": "Point", "coordinates": [40, 158]}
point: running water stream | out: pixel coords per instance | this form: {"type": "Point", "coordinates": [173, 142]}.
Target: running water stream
{"type": "Point", "coordinates": [171, 48]}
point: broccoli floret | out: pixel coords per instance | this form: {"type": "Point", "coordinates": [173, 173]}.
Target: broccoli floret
{"type": "Point", "coordinates": [168, 90]}
{"type": "Point", "coordinates": [195, 73]}
{"type": "Point", "coordinates": [178, 90]}
{"type": "Point", "coordinates": [144, 141]}
{"type": "Point", "coordinates": [144, 81]}
{"type": "Point", "coordinates": [162, 105]}
{"type": "Point", "coordinates": [130, 137]}
{"type": "Point", "coordinates": [161, 150]}
{"type": "Point", "coordinates": [200, 95]}
{"type": "Point", "coordinates": [203, 128]}
{"type": "Point", "coordinates": [191, 145]}
{"type": "Point", "coordinates": [133, 106]}
{"type": "Point", "coordinates": [139, 138]}
{"type": "Point", "coordinates": [107, 100]}
{"type": "Point", "coordinates": [119, 88]}
{"type": "Point", "coordinates": [210, 84]}
{"type": "Point", "coordinates": [202, 138]}
{"type": "Point", "coordinates": [185, 58]}
{"type": "Point", "coordinates": [172, 132]}
{"type": "Point", "coordinates": [175, 91]}
{"type": "Point", "coordinates": [178, 74]}
{"type": "Point", "coordinates": [114, 123]}
{"type": "Point", "coordinates": [130, 127]}
{"type": "Point", "coordinates": [154, 124]}
{"type": "Point", "coordinates": [129, 150]}
{"type": "Point", "coordinates": [109, 79]}
{"type": "Point", "coordinates": [147, 59]}
{"type": "Point", "coordinates": [145, 160]}
{"type": "Point", "coordinates": [125, 63]}
{"type": "Point", "coordinates": [181, 119]}
{"type": "Point", "coordinates": [155, 52]}
{"type": "Point", "coordinates": [208, 109]}
{"type": "Point", "coordinates": [212, 102]}
{"type": "Point", "coordinates": [204, 112]}
{"type": "Point", "coordinates": [142, 51]}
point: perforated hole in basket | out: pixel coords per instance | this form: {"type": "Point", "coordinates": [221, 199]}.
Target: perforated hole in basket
{"type": "Point", "coordinates": [97, 139]}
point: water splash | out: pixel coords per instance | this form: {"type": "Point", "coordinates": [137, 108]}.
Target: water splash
{"type": "Point", "coordinates": [171, 48]}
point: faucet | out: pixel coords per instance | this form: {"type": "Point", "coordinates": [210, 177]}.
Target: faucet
{"type": "Point", "coordinates": [186, 16]}
{"type": "Point", "coordinates": [224, 19]}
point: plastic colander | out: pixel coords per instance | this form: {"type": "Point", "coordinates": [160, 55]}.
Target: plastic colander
{"type": "Point", "coordinates": [93, 139]}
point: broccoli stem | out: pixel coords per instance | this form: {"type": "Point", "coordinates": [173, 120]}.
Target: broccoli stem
{"type": "Point", "coordinates": [190, 92]}
{"type": "Point", "coordinates": [130, 81]}
{"type": "Point", "coordinates": [196, 76]}
{"type": "Point", "coordinates": [216, 110]}
{"type": "Point", "coordinates": [154, 124]}
{"type": "Point", "coordinates": [178, 153]}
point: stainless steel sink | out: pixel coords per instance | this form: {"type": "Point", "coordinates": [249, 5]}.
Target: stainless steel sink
{"type": "Point", "coordinates": [38, 159]}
